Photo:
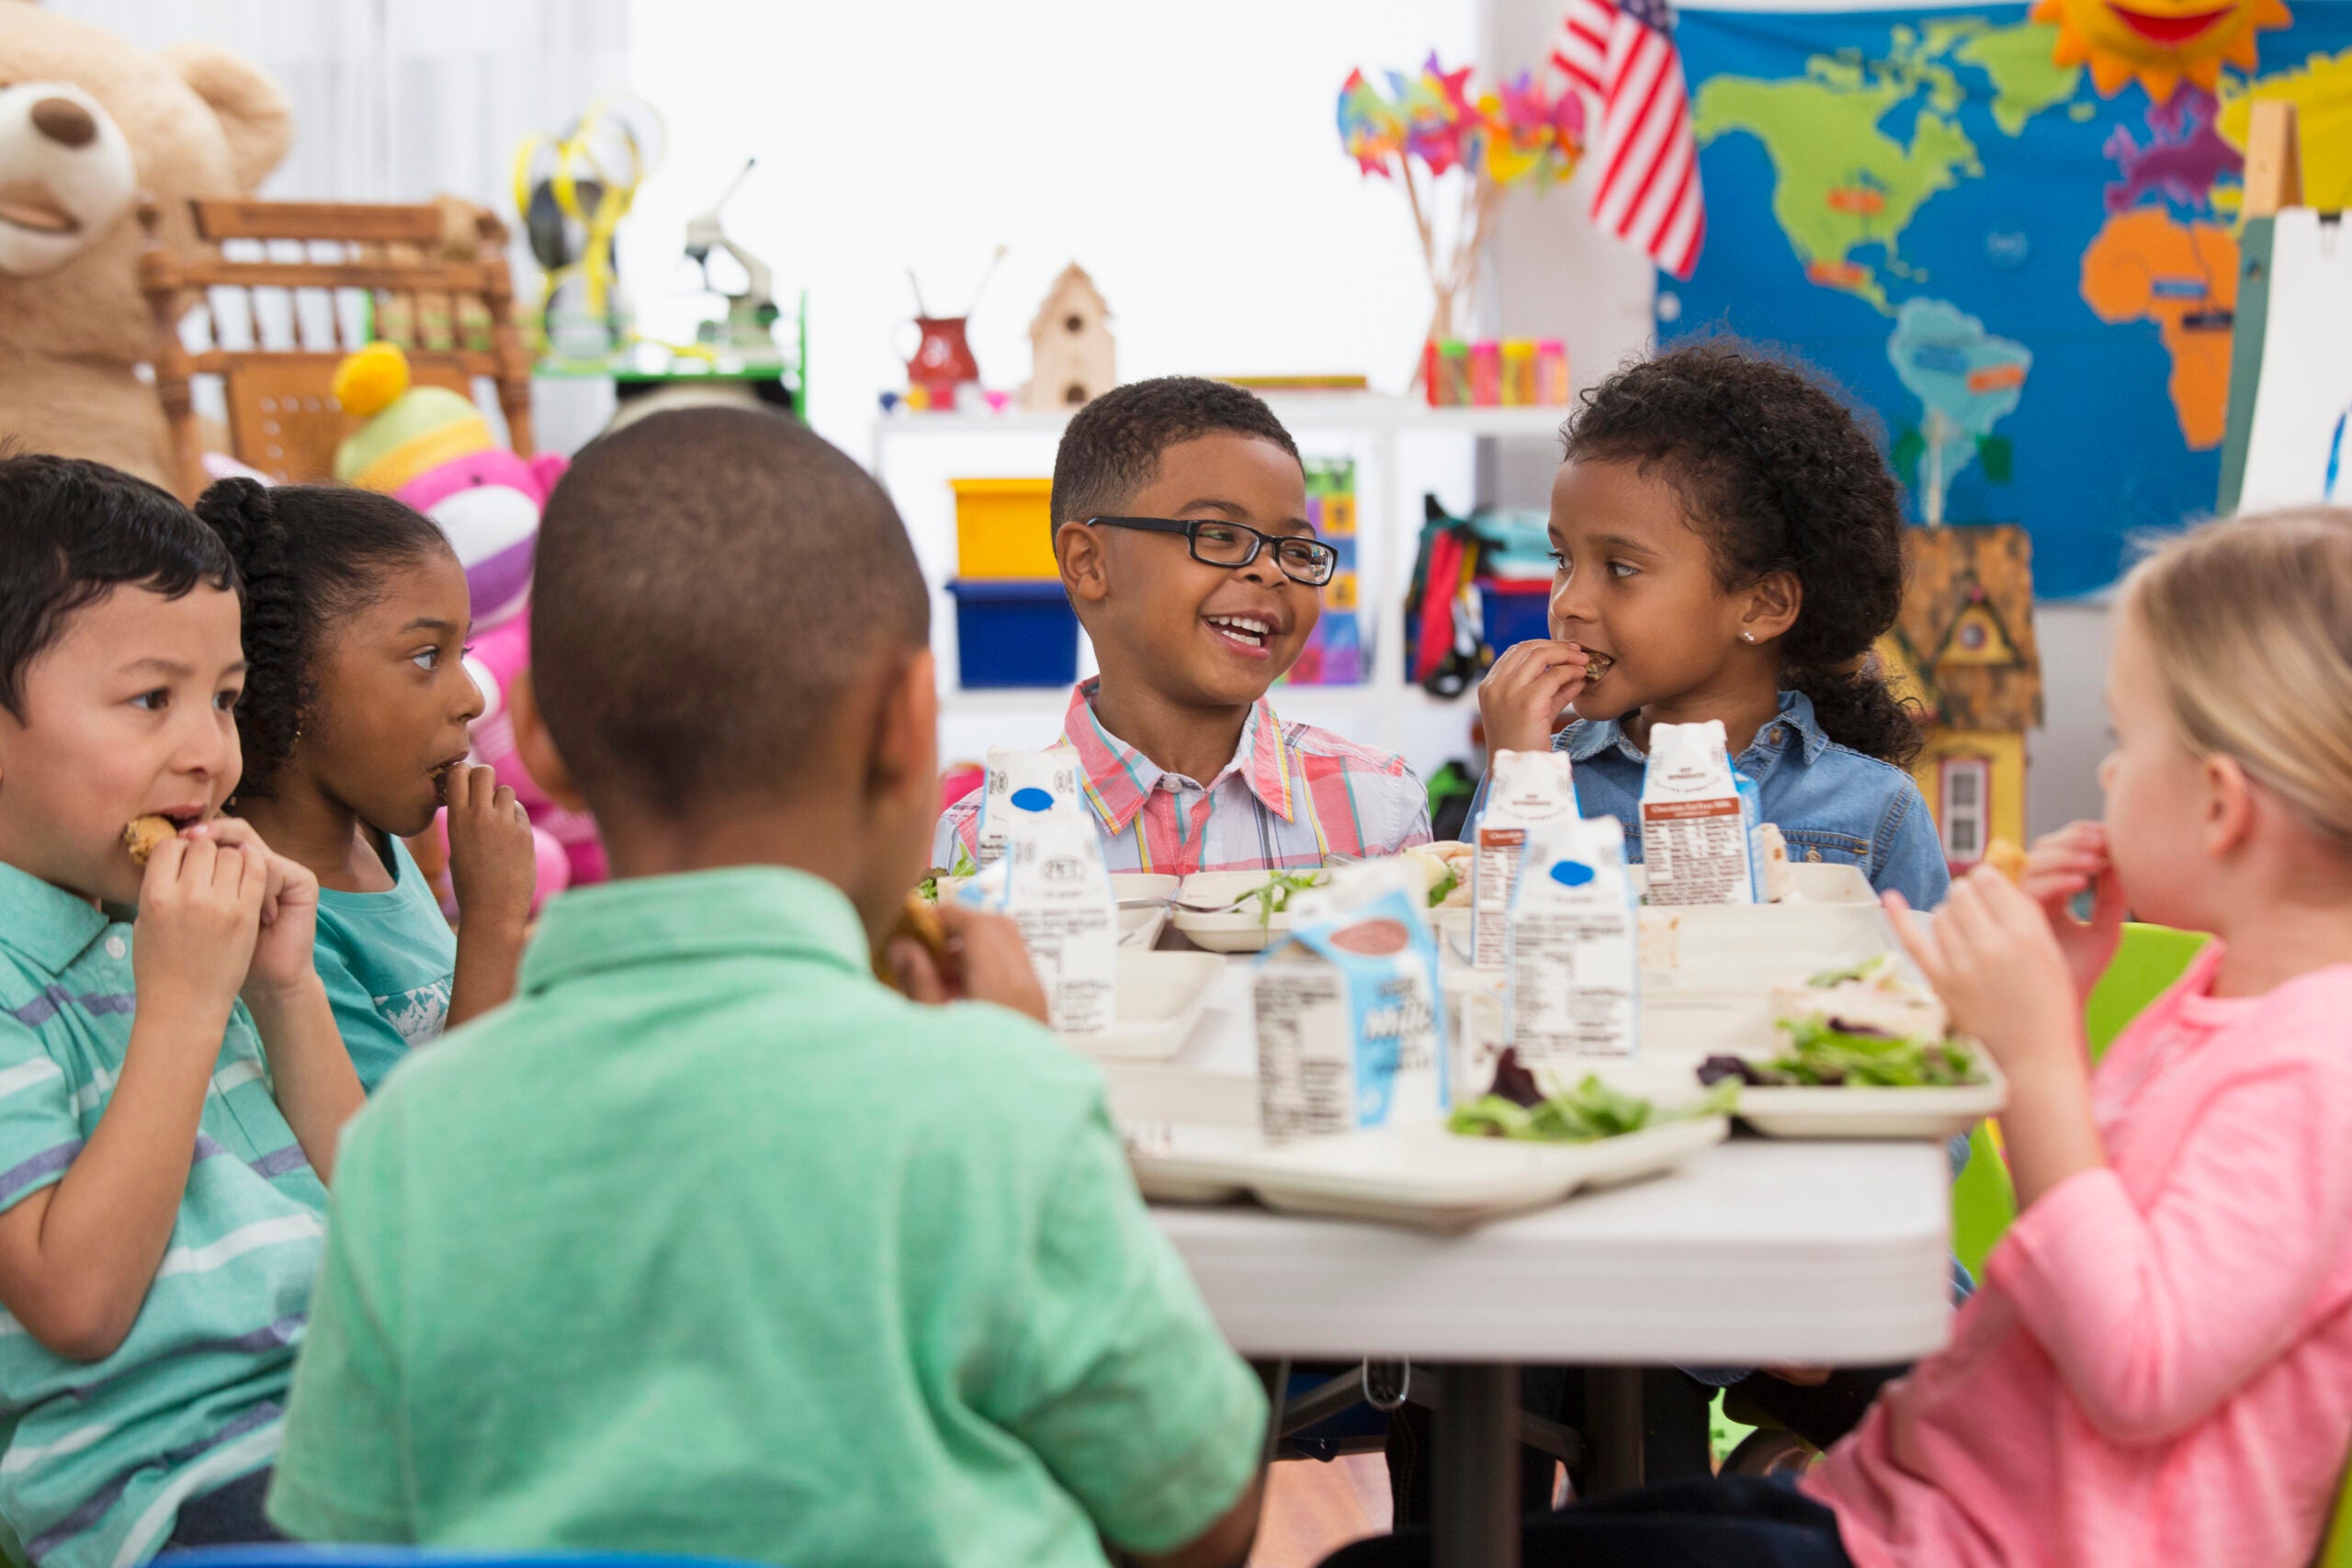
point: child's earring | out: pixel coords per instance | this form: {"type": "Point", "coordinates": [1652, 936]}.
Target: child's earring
{"type": "Point", "coordinates": [1747, 637]}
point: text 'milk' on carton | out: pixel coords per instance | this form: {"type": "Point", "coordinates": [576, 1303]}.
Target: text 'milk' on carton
{"type": "Point", "coordinates": [1350, 1033]}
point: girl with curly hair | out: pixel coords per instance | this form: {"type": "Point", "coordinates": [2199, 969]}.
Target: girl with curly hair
{"type": "Point", "coordinates": [1729, 546]}
{"type": "Point", "coordinates": [353, 723]}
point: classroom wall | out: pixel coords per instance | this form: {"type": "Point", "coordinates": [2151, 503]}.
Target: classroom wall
{"type": "Point", "coordinates": [1553, 275]}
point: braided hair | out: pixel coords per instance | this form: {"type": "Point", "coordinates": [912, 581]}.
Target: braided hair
{"type": "Point", "coordinates": [307, 555]}
{"type": "Point", "coordinates": [1778, 474]}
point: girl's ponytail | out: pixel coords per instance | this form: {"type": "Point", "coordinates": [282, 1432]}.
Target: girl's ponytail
{"type": "Point", "coordinates": [276, 633]}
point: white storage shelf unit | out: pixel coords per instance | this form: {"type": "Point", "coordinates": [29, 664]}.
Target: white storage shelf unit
{"type": "Point", "coordinates": [1402, 449]}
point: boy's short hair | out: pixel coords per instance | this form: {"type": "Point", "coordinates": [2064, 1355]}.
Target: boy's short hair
{"type": "Point", "coordinates": [708, 583]}
{"type": "Point", "coordinates": [1113, 446]}
{"type": "Point", "coordinates": [71, 532]}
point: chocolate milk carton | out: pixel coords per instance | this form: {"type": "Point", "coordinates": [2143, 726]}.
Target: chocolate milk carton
{"type": "Point", "coordinates": [1701, 839]}
{"type": "Point", "coordinates": [1049, 777]}
{"type": "Point", "coordinates": [1526, 792]}
{"type": "Point", "coordinates": [1349, 1032]}
{"type": "Point", "coordinates": [1575, 947]}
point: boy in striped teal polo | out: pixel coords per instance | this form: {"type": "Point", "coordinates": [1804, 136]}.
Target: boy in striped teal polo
{"type": "Point", "coordinates": [163, 1141]}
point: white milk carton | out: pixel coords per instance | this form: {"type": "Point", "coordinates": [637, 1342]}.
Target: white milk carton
{"type": "Point", "coordinates": [1575, 947]}
{"type": "Point", "coordinates": [1526, 791]}
{"type": "Point", "coordinates": [1701, 839]}
{"type": "Point", "coordinates": [1350, 1035]}
{"type": "Point", "coordinates": [1050, 878]}
{"type": "Point", "coordinates": [1052, 774]}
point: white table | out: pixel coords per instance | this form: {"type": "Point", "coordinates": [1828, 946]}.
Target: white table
{"type": "Point", "coordinates": [1756, 1251]}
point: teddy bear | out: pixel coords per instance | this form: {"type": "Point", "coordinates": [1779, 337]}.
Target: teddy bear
{"type": "Point", "coordinates": [87, 125]}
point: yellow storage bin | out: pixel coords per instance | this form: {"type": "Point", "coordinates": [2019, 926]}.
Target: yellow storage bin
{"type": "Point", "coordinates": [1004, 528]}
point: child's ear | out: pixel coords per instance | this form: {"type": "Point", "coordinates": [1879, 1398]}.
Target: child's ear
{"type": "Point", "coordinates": [1079, 550]}
{"type": "Point", "coordinates": [2229, 804]}
{"type": "Point", "coordinates": [1772, 606]}
{"type": "Point", "coordinates": [535, 747]}
{"type": "Point", "coordinates": [906, 734]}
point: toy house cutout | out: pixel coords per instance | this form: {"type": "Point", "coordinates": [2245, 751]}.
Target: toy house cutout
{"type": "Point", "coordinates": [1964, 649]}
{"type": "Point", "coordinates": [1072, 358]}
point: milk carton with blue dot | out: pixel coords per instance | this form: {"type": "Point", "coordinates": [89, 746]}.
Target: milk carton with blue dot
{"type": "Point", "coordinates": [1575, 947]}
{"type": "Point", "coordinates": [1009, 771]}
{"type": "Point", "coordinates": [1350, 1033]}
{"type": "Point", "coordinates": [1049, 876]}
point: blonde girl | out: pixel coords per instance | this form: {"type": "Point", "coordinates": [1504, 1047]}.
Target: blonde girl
{"type": "Point", "coordinates": [2158, 1366]}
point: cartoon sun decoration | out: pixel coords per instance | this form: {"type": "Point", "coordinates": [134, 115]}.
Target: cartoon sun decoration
{"type": "Point", "coordinates": [2159, 41]}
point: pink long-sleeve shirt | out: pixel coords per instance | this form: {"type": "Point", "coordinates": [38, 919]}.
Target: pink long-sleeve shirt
{"type": "Point", "coordinates": [2159, 1369]}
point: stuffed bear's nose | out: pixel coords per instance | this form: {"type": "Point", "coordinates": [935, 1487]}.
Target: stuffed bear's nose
{"type": "Point", "coordinates": [64, 123]}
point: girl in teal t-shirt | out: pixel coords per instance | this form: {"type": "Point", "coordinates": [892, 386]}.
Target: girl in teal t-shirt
{"type": "Point", "coordinates": [353, 723]}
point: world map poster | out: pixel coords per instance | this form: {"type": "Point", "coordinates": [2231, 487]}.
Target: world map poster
{"type": "Point", "coordinates": [2031, 280]}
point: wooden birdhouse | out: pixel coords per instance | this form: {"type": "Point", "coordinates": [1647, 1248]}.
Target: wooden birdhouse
{"type": "Point", "coordinates": [1073, 359]}
{"type": "Point", "coordinates": [1964, 646]}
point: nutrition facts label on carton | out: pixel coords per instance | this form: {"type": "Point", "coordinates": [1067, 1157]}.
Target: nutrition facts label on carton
{"type": "Point", "coordinates": [1696, 851]}
{"type": "Point", "coordinates": [1497, 865]}
{"type": "Point", "coordinates": [1571, 994]}
{"type": "Point", "coordinates": [1306, 1055]}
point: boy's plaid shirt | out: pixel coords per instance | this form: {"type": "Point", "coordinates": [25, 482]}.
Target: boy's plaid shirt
{"type": "Point", "coordinates": [1292, 795]}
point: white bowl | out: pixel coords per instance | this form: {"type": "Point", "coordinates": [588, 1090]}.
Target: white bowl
{"type": "Point", "coordinates": [1161, 995]}
{"type": "Point", "coordinates": [1243, 931]}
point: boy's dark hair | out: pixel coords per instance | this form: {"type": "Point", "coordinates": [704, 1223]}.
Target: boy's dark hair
{"type": "Point", "coordinates": [72, 531]}
{"type": "Point", "coordinates": [308, 556]}
{"type": "Point", "coordinates": [1778, 474]}
{"type": "Point", "coordinates": [709, 583]}
{"type": "Point", "coordinates": [1112, 444]}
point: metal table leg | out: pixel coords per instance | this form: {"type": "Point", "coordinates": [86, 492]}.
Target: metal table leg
{"type": "Point", "coordinates": [1474, 1502]}
{"type": "Point", "coordinates": [1614, 1413]}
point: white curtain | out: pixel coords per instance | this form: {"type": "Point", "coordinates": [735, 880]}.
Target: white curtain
{"type": "Point", "coordinates": [402, 101]}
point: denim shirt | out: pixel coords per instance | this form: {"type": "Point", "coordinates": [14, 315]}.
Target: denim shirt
{"type": "Point", "coordinates": [1831, 803]}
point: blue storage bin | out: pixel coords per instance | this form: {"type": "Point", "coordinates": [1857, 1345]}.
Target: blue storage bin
{"type": "Point", "coordinates": [1014, 632]}
{"type": "Point", "coordinates": [1516, 610]}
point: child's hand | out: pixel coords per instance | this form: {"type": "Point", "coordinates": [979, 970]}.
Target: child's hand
{"type": "Point", "coordinates": [986, 963]}
{"type": "Point", "coordinates": [493, 869]}
{"type": "Point", "coordinates": [1524, 694]}
{"type": "Point", "coordinates": [2062, 865]}
{"type": "Point", "coordinates": [199, 913]}
{"type": "Point", "coordinates": [1992, 956]}
{"type": "Point", "coordinates": [289, 911]}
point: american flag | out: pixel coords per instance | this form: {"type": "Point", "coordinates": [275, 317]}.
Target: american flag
{"type": "Point", "coordinates": [1622, 52]}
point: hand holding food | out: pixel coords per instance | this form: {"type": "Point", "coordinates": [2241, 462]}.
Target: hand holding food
{"type": "Point", "coordinates": [494, 867]}
{"type": "Point", "coordinates": [200, 914]}
{"type": "Point", "coordinates": [2062, 867]}
{"type": "Point", "coordinates": [146, 834]}
{"type": "Point", "coordinates": [980, 958]}
{"type": "Point", "coordinates": [289, 909]}
{"type": "Point", "coordinates": [1992, 956]}
{"type": "Point", "coordinates": [1525, 695]}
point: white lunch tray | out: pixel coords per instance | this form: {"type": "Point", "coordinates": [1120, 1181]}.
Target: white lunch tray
{"type": "Point", "coordinates": [1669, 1074]}
{"type": "Point", "coordinates": [1193, 1138]}
{"type": "Point", "coordinates": [1161, 995]}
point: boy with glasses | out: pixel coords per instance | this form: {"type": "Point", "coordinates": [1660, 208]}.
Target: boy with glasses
{"type": "Point", "coordinates": [1179, 524]}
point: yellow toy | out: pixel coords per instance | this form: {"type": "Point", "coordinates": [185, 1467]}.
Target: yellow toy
{"type": "Point", "coordinates": [572, 191]}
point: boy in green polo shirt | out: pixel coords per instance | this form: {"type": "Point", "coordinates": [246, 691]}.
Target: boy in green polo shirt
{"type": "Point", "coordinates": [708, 1243]}
{"type": "Point", "coordinates": [163, 1143]}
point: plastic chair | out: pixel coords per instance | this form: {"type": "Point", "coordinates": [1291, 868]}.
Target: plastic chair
{"type": "Point", "coordinates": [425, 1556]}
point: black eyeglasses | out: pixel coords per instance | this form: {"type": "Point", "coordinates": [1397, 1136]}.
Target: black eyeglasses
{"type": "Point", "coordinates": [1215, 543]}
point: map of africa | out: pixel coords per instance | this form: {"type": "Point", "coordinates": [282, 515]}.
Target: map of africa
{"type": "Point", "coordinates": [2032, 286]}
